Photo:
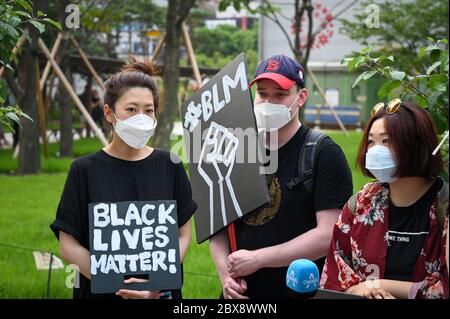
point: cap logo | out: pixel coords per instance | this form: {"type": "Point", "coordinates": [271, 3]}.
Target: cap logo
{"type": "Point", "coordinates": [273, 65]}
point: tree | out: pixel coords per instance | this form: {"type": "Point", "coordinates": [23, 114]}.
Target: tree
{"type": "Point", "coordinates": [177, 12]}
{"type": "Point", "coordinates": [13, 18]}
{"type": "Point", "coordinates": [18, 23]}
{"type": "Point", "coordinates": [217, 47]}
{"type": "Point", "coordinates": [403, 28]}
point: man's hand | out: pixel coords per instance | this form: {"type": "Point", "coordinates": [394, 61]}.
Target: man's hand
{"type": "Point", "coordinates": [234, 290]}
{"type": "Point", "coordinates": [243, 262]}
{"type": "Point", "coordinates": [134, 294]}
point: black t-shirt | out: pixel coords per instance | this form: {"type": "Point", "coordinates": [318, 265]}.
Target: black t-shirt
{"type": "Point", "coordinates": [291, 213]}
{"type": "Point", "coordinates": [408, 229]}
{"type": "Point", "coordinates": [100, 177]}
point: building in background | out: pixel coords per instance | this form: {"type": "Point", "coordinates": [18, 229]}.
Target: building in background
{"type": "Point", "coordinates": [329, 47]}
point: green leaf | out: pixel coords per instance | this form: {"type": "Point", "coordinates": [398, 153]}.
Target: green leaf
{"type": "Point", "coordinates": [360, 60]}
{"type": "Point", "coordinates": [359, 78]}
{"type": "Point", "coordinates": [435, 55]}
{"type": "Point", "coordinates": [441, 87]}
{"type": "Point", "coordinates": [436, 79]}
{"type": "Point", "coordinates": [369, 74]}
{"type": "Point", "coordinates": [25, 4]}
{"type": "Point", "coordinates": [433, 99]}
{"type": "Point", "coordinates": [10, 30]}
{"type": "Point", "coordinates": [398, 75]}
{"type": "Point", "coordinates": [57, 25]}
{"type": "Point", "coordinates": [13, 117]}
{"type": "Point", "coordinates": [444, 62]}
{"type": "Point", "coordinates": [421, 53]}
{"type": "Point", "coordinates": [443, 41]}
{"type": "Point", "coordinates": [368, 49]}
{"type": "Point", "coordinates": [439, 120]}
{"type": "Point", "coordinates": [14, 21]}
{"type": "Point", "coordinates": [433, 66]}
{"type": "Point", "coordinates": [430, 39]}
{"type": "Point", "coordinates": [22, 14]}
{"type": "Point", "coordinates": [26, 116]}
{"type": "Point", "coordinates": [421, 101]}
{"type": "Point", "coordinates": [38, 26]}
{"type": "Point", "coordinates": [41, 14]}
{"type": "Point", "coordinates": [346, 61]}
{"type": "Point", "coordinates": [387, 87]}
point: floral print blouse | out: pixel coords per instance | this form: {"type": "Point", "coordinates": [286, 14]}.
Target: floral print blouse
{"type": "Point", "coordinates": [359, 246]}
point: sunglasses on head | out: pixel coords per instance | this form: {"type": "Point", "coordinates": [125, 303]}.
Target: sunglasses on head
{"type": "Point", "coordinates": [390, 108]}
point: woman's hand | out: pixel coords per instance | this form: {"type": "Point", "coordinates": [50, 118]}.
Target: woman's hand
{"type": "Point", "coordinates": [134, 294]}
{"type": "Point", "coordinates": [367, 290]}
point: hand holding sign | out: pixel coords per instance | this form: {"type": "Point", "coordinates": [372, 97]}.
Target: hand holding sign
{"type": "Point", "coordinates": [219, 149]}
{"type": "Point", "coordinates": [222, 109]}
{"type": "Point", "coordinates": [134, 240]}
{"type": "Point", "coordinates": [132, 294]}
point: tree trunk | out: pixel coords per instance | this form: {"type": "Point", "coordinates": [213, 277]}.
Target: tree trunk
{"type": "Point", "coordinates": [65, 121]}
{"type": "Point", "coordinates": [171, 80]}
{"type": "Point", "coordinates": [63, 98]}
{"type": "Point", "coordinates": [29, 156]}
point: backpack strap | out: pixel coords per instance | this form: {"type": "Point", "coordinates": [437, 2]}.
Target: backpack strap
{"type": "Point", "coordinates": [306, 162]}
{"type": "Point", "coordinates": [442, 204]}
{"type": "Point", "coordinates": [352, 203]}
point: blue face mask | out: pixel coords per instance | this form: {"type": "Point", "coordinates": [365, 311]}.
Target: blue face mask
{"type": "Point", "coordinates": [381, 163]}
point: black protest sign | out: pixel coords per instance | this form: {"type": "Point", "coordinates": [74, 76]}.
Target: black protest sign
{"type": "Point", "coordinates": [134, 239]}
{"type": "Point", "coordinates": [221, 142]}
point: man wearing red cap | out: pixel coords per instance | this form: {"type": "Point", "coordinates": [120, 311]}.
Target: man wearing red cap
{"type": "Point", "coordinates": [296, 223]}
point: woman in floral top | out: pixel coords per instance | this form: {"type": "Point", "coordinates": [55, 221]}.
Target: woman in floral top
{"type": "Point", "coordinates": [390, 239]}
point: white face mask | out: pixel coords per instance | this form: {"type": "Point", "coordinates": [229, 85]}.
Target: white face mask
{"type": "Point", "coordinates": [381, 163]}
{"type": "Point", "coordinates": [271, 116]}
{"type": "Point", "coordinates": [135, 130]}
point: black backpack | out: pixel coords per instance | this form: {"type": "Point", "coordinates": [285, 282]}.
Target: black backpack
{"type": "Point", "coordinates": [307, 162]}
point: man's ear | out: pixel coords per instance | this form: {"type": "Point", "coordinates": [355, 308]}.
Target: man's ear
{"type": "Point", "coordinates": [302, 97]}
{"type": "Point", "coordinates": [108, 112]}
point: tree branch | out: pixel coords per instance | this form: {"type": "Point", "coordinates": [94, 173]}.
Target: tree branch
{"type": "Point", "coordinates": [298, 25]}
{"type": "Point", "coordinates": [310, 38]}
{"type": "Point", "coordinates": [275, 20]}
{"type": "Point", "coordinates": [184, 8]}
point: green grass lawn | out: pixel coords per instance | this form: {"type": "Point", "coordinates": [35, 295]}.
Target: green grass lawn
{"type": "Point", "coordinates": [28, 205]}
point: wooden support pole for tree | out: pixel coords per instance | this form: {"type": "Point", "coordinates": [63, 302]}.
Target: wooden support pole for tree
{"type": "Point", "coordinates": [16, 48]}
{"type": "Point", "coordinates": [158, 48]}
{"type": "Point", "coordinates": [322, 93]}
{"type": "Point", "coordinates": [48, 64]}
{"type": "Point", "coordinates": [72, 93]}
{"type": "Point", "coordinates": [41, 111]}
{"type": "Point", "coordinates": [191, 55]}
{"type": "Point", "coordinates": [88, 63]}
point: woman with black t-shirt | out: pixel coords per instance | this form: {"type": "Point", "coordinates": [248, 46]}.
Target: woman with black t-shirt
{"type": "Point", "coordinates": [125, 170]}
{"type": "Point", "coordinates": [389, 241]}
